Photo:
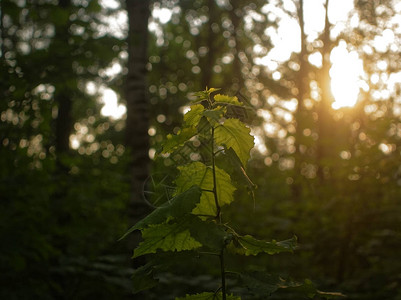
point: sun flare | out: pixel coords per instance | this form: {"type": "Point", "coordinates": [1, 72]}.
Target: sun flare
{"type": "Point", "coordinates": [345, 74]}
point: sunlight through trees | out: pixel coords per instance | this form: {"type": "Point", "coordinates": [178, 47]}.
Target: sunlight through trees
{"type": "Point", "coordinates": [88, 100]}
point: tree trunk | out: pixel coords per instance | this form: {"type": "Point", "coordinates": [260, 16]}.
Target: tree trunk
{"type": "Point", "coordinates": [62, 97]}
{"type": "Point", "coordinates": [237, 80]}
{"type": "Point", "coordinates": [63, 122]}
{"type": "Point", "coordinates": [137, 124]}
{"type": "Point", "coordinates": [302, 79]}
{"type": "Point", "coordinates": [324, 117]}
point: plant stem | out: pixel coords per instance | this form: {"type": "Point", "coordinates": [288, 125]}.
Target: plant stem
{"type": "Point", "coordinates": [214, 180]}
{"type": "Point", "coordinates": [223, 274]}
{"type": "Point", "coordinates": [218, 217]}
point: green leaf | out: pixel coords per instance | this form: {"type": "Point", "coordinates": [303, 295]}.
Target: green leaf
{"type": "Point", "coordinates": [174, 141]}
{"type": "Point", "coordinates": [225, 99]}
{"type": "Point", "coordinates": [204, 95]}
{"type": "Point", "coordinates": [204, 129]}
{"type": "Point", "coordinates": [248, 245]}
{"type": "Point", "coordinates": [234, 134]}
{"type": "Point", "coordinates": [215, 115]}
{"type": "Point", "coordinates": [192, 117]}
{"type": "Point", "coordinates": [208, 233]}
{"type": "Point", "coordinates": [180, 205]}
{"type": "Point", "coordinates": [211, 90]}
{"type": "Point", "coordinates": [167, 237]}
{"type": "Point", "coordinates": [231, 163]}
{"type": "Point", "coordinates": [143, 278]}
{"type": "Point", "coordinates": [208, 296]}
{"type": "Point", "coordinates": [197, 173]}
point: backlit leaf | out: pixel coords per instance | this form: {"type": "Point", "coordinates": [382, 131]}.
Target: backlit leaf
{"type": "Point", "coordinates": [197, 173]}
{"type": "Point", "coordinates": [234, 134]}
{"type": "Point", "coordinates": [174, 141]}
{"type": "Point", "coordinates": [215, 115]}
{"type": "Point", "coordinates": [177, 207]}
{"type": "Point", "coordinates": [227, 100]}
{"type": "Point", "coordinates": [167, 237]}
{"type": "Point", "coordinates": [230, 162]}
{"type": "Point", "coordinates": [248, 245]}
{"type": "Point", "coordinates": [204, 95]}
{"type": "Point", "coordinates": [208, 233]}
{"type": "Point", "coordinates": [192, 117]}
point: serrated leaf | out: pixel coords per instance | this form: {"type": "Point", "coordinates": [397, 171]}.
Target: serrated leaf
{"type": "Point", "coordinates": [197, 173]}
{"type": "Point", "coordinates": [231, 158]}
{"type": "Point", "coordinates": [225, 99]}
{"type": "Point", "coordinates": [143, 278]}
{"type": "Point", "coordinates": [180, 205]}
{"type": "Point", "coordinates": [208, 296]}
{"type": "Point", "coordinates": [208, 233]}
{"type": "Point", "coordinates": [214, 115]}
{"type": "Point", "coordinates": [234, 134]}
{"type": "Point", "coordinates": [204, 95]}
{"type": "Point", "coordinates": [248, 245]}
{"type": "Point", "coordinates": [193, 116]}
{"type": "Point", "coordinates": [204, 127]}
{"type": "Point", "coordinates": [166, 237]}
{"type": "Point", "coordinates": [174, 141]}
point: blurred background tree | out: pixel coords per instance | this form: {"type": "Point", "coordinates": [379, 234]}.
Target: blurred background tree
{"type": "Point", "coordinates": [323, 78]}
{"type": "Point", "coordinates": [63, 186]}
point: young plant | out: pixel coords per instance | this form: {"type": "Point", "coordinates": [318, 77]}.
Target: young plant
{"type": "Point", "coordinates": [212, 144]}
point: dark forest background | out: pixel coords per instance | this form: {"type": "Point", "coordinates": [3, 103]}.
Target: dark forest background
{"type": "Point", "coordinates": [74, 178]}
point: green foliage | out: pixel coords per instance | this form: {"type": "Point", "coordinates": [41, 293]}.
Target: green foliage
{"type": "Point", "coordinates": [61, 210]}
{"type": "Point", "coordinates": [47, 223]}
{"type": "Point", "coordinates": [193, 220]}
{"type": "Point", "coordinates": [248, 245]}
{"type": "Point", "coordinates": [203, 176]}
{"type": "Point", "coordinates": [178, 206]}
{"type": "Point", "coordinates": [174, 141]}
{"type": "Point", "coordinates": [232, 134]}
{"type": "Point", "coordinates": [167, 237]}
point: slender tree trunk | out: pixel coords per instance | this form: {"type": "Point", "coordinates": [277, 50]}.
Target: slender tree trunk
{"type": "Point", "coordinates": [137, 124]}
{"type": "Point", "coordinates": [302, 79]}
{"type": "Point", "coordinates": [62, 96]}
{"type": "Point", "coordinates": [324, 117]}
{"type": "Point", "coordinates": [63, 122]}
{"type": "Point", "coordinates": [325, 146]}
{"type": "Point", "coordinates": [63, 127]}
{"type": "Point", "coordinates": [238, 79]}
